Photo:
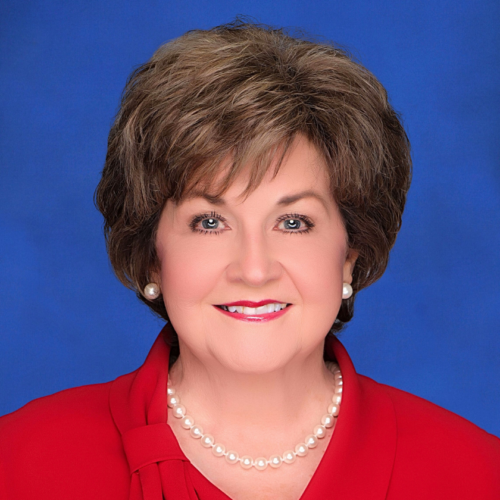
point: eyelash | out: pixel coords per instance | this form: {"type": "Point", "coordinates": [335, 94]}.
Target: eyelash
{"type": "Point", "coordinates": [212, 215]}
{"type": "Point", "coordinates": [306, 220]}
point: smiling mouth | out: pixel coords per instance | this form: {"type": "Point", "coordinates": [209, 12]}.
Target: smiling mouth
{"type": "Point", "coordinates": [266, 309]}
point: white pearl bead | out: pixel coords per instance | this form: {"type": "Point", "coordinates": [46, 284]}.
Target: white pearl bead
{"type": "Point", "coordinates": [231, 457]}
{"type": "Point", "coordinates": [319, 431]}
{"type": "Point", "coordinates": [327, 420]}
{"type": "Point", "coordinates": [311, 441]}
{"type": "Point", "coordinates": [260, 463]}
{"type": "Point", "coordinates": [301, 450]}
{"type": "Point", "coordinates": [196, 431]}
{"type": "Point", "coordinates": [187, 422]}
{"type": "Point", "coordinates": [151, 291]}
{"type": "Point", "coordinates": [179, 411]}
{"type": "Point", "coordinates": [346, 290]}
{"type": "Point", "coordinates": [207, 441]}
{"type": "Point", "coordinates": [333, 409]}
{"type": "Point", "coordinates": [246, 462]}
{"type": "Point", "coordinates": [337, 399]}
{"type": "Point", "coordinates": [289, 457]}
{"type": "Point", "coordinates": [218, 450]}
{"type": "Point", "coordinates": [173, 400]}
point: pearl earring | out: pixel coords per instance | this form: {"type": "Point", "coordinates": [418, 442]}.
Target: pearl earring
{"type": "Point", "coordinates": [346, 290]}
{"type": "Point", "coordinates": [151, 291]}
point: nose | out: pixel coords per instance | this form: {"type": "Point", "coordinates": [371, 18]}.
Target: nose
{"type": "Point", "coordinates": [253, 262]}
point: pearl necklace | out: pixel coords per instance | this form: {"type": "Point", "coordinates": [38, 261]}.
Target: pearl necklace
{"type": "Point", "coordinates": [328, 420]}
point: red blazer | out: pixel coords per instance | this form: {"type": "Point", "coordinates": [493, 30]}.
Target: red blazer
{"type": "Point", "coordinates": [112, 442]}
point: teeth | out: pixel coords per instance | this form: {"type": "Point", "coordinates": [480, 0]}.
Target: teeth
{"type": "Point", "coordinates": [268, 308]}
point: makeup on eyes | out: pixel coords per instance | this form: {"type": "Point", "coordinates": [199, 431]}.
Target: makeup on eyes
{"type": "Point", "coordinates": [212, 217]}
{"type": "Point", "coordinates": [201, 217]}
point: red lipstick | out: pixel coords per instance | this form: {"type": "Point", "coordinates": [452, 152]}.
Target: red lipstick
{"type": "Point", "coordinates": [253, 318]}
{"type": "Point", "coordinates": [249, 303]}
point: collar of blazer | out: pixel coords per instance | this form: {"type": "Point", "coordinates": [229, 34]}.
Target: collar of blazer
{"type": "Point", "coordinates": [361, 452]}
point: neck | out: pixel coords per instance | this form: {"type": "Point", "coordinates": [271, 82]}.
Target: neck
{"type": "Point", "coordinates": [226, 401]}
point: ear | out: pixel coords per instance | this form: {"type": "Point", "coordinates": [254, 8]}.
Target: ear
{"type": "Point", "coordinates": [350, 260]}
{"type": "Point", "coordinates": [154, 276]}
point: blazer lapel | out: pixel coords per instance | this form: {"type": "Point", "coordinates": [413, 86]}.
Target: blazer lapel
{"type": "Point", "coordinates": [357, 464]}
{"type": "Point", "coordinates": [359, 461]}
{"type": "Point", "coordinates": [138, 405]}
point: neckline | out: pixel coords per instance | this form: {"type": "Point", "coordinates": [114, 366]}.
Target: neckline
{"type": "Point", "coordinates": [361, 451]}
{"type": "Point", "coordinates": [202, 484]}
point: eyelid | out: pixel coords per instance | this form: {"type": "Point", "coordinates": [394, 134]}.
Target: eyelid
{"type": "Point", "coordinates": [198, 218]}
{"type": "Point", "coordinates": [304, 218]}
{"type": "Point", "coordinates": [213, 215]}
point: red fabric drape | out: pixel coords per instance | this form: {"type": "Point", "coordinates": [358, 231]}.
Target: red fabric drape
{"type": "Point", "coordinates": [158, 468]}
{"type": "Point", "coordinates": [112, 441]}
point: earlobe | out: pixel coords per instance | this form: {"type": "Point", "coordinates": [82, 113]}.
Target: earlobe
{"type": "Point", "coordinates": [153, 289]}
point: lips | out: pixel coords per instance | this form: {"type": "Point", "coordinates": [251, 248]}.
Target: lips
{"type": "Point", "coordinates": [254, 317]}
{"type": "Point", "coordinates": [246, 310]}
{"type": "Point", "coordinates": [249, 303]}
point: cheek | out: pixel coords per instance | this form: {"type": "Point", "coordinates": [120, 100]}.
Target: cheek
{"type": "Point", "coordinates": [317, 271]}
{"type": "Point", "coordinates": [188, 273]}
{"type": "Point", "coordinates": [325, 289]}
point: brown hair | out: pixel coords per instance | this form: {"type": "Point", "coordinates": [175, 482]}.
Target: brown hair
{"type": "Point", "coordinates": [244, 91]}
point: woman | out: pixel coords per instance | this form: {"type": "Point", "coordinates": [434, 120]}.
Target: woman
{"type": "Point", "coordinates": [254, 183]}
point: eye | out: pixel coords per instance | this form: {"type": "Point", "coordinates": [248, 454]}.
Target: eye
{"type": "Point", "coordinates": [211, 223]}
{"type": "Point", "coordinates": [295, 223]}
{"type": "Point", "coordinates": [214, 223]}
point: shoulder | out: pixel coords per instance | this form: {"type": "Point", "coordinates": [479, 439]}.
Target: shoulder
{"type": "Point", "coordinates": [66, 414]}
{"type": "Point", "coordinates": [63, 439]}
{"type": "Point", "coordinates": [438, 449]}
{"type": "Point", "coordinates": [419, 419]}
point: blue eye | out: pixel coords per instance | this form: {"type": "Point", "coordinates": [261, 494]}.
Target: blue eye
{"type": "Point", "coordinates": [210, 223]}
{"type": "Point", "coordinates": [292, 223]}
{"type": "Point", "coordinates": [295, 223]}
{"type": "Point", "coordinates": [207, 223]}
{"type": "Point", "coordinates": [289, 223]}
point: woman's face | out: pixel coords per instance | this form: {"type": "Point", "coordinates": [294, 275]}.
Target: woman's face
{"type": "Point", "coordinates": [284, 243]}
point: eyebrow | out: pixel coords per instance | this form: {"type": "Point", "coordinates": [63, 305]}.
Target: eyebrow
{"type": "Point", "coordinates": [288, 200]}
{"type": "Point", "coordinates": [284, 201]}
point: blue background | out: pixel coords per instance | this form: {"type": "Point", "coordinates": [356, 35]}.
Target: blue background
{"type": "Point", "coordinates": [429, 326]}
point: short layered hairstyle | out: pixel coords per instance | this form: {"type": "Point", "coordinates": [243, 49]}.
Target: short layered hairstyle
{"type": "Point", "coordinates": [242, 92]}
